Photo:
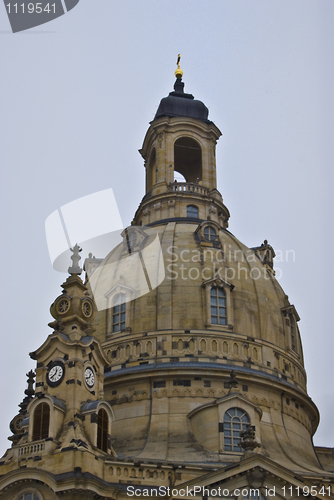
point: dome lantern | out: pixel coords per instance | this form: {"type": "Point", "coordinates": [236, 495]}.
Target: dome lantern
{"type": "Point", "coordinates": [179, 151]}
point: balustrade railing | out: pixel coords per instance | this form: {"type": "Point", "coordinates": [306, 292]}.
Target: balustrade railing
{"type": "Point", "coordinates": [189, 187]}
{"type": "Point", "coordinates": [32, 448]}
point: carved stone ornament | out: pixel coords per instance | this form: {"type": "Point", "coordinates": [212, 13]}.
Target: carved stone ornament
{"type": "Point", "coordinates": [232, 382]}
{"type": "Point", "coordinates": [248, 441]}
{"type": "Point", "coordinates": [256, 477]}
{"type": "Point", "coordinates": [15, 424]}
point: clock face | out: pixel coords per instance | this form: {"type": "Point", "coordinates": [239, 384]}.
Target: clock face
{"type": "Point", "coordinates": [17, 423]}
{"type": "Point", "coordinates": [87, 309]}
{"type": "Point", "coordinates": [55, 374]}
{"type": "Point", "coordinates": [89, 377]}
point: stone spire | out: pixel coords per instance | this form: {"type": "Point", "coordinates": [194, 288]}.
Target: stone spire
{"type": "Point", "coordinates": [29, 392]}
{"type": "Point", "coordinates": [75, 268]}
{"type": "Point", "coordinates": [74, 310]}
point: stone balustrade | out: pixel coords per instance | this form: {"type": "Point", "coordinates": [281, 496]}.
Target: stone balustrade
{"type": "Point", "coordinates": [32, 449]}
{"type": "Point", "coordinates": [187, 187]}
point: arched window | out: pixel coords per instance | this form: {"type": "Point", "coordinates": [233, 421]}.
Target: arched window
{"type": "Point", "coordinates": [102, 430]}
{"type": "Point", "coordinates": [118, 313]}
{"type": "Point", "coordinates": [151, 171]}
{"type": "Point", "coordinates": [235, 421]}
{"type": "Point", "coordinates": [188, 159]}
{"type": "Point", "coordinates": [210, 233]}
{"type": "Point", "coordinates": [192, 211]}
{"type": "Point", "coordinates": [30, 496]}
{"type": "Point", "coordinates": [218, 306]}
{"type": "Point", "coordinates": [41, 422]}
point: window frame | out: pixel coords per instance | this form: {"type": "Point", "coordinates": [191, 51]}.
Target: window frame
{"type": "Point", "coordinates": [22, 494]}
{"type": "Point", "coordinates": [236, 400]}
{"type": "Point", "coordinates": [41, 432]}
{"type": "Point", "coordinates": [232, 430]}
{"type": "Point", "coordinates": [102, 434]}
{"type": "Point", "coordinates": [206, 228]}
{"type": "Point", "coordinates": [227, 288]}
{"type": "Point", "coordinates": [291, 330]}
{"type": "Point", "coordinates": [190, 208]}
{"type": "Point", "coordinates": [209, 231]}
{"type": "Point", "coordinates": [220, 295]}
{"type": "Point", "coordinates": [129, 296]}
{"type": "Point", "coordinates": [90, 410]}
{"type": "Point", "coordinates": [120, 313]}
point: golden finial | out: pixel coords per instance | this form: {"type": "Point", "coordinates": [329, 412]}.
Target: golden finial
{"type": "Point", "coordinates": [178, 72]}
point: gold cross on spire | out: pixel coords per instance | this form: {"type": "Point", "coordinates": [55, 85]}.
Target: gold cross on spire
{"type": "Point", "coordinates": [178, 72]}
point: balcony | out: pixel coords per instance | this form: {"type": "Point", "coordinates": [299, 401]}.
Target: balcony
{"type": "Point", "coordinates": [32, 449]}
{"type": "Point", "coordinates": [187, 187]}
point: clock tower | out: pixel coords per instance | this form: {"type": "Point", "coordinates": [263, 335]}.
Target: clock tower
{"type": "Point", "coordinates": [68, 413]}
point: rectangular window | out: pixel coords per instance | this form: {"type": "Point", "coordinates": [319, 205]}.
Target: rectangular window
{"type": "Point", "coordinates": [41, 422]}
{"type": "Point", "coordinates": [118, 313]}
{"type": "Point", "coordinates": [160, 383]}
{"type": "Point", "coordinates": [185, 383]}
{"type": "Point", "coordinates": [218, 306]}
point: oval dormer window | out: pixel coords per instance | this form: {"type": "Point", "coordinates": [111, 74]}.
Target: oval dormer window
{"type": "Point", "coordinates": [210, 233]}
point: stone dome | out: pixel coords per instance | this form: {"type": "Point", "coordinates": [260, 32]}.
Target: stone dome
{"type": "Point", "coordinates": [171, 345]}
{"type": "Point", "coordinates": [255, 328]}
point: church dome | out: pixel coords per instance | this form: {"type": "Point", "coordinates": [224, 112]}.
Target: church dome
{"type": "Point", "coordinates": [216, 307]}
{"type": "Point", "coordinates": [246, 328]}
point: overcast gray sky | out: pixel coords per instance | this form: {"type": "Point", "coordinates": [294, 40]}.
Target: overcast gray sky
{"type": "Point", "coordinates": [77, 95]}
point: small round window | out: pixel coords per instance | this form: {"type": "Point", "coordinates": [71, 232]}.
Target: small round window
{"type": "Point", "coordinates": [210, 233]}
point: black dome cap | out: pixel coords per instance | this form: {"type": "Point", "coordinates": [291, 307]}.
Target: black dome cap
{"type": "Point", "coordinates": [180, 104]}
